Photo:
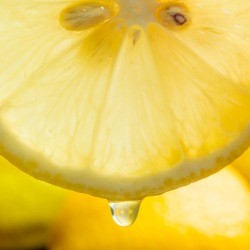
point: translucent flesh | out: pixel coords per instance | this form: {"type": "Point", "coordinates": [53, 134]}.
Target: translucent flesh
{"type": "Point", "coordinates": [119, 104]}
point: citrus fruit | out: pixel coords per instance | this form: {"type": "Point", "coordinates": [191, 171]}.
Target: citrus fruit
{"type": "Point", "coordinates": [213, 213]}
{"type": "Point", "coordinates": [124, 99]}
{"type": "Point", "coordinates": [28, 209]}
{"type": "Point", "coordinates": [243, 164]}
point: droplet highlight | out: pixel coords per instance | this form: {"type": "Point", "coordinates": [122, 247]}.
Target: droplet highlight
{"type": "Point", "coordinates": [124, 213]}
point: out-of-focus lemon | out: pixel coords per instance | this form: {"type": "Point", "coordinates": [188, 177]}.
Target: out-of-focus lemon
{"type": "Point", "coordinates": [243, 164]}
{"type": "Point", "coordinates": [28, 209]}
{"type": "Point", "coordinates": [211, 214]}
{"type": "Point", "coordinates": [124, 98]}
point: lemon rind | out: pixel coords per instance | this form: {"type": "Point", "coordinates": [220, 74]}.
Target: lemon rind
{"type": "Point", "coordinates": [121, 187]}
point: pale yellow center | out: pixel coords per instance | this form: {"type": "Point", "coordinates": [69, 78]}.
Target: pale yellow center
{"type": "Point", "coordinates": [138, 12]}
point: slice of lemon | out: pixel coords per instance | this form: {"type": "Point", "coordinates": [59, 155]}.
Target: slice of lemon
{"type": "Point", "coordinates": [124, 99]}
{"type": "Point", "coordinates": [211, 214]}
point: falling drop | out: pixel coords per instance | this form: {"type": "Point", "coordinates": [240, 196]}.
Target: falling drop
{"type": "Point", "coordinates": [124, 213]}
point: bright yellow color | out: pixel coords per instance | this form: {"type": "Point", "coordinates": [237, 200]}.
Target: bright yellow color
{"type": "Point", "coordinates": [118, 100]}
{"type": "Point", "coordinates": [243, 164]}
{"type": "Point", "coordinates": [28, 209]}
{"type": "Point", "coordinates": [213, 213]}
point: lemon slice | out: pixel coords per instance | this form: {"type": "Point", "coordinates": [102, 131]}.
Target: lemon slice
{"type": "Point", "coordinates": [124, 99]}
{"type": "Point", "coordinates": [243, 164]}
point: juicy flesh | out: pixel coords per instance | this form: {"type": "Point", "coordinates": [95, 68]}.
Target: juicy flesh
{"type": "Point", "coordinates": [116, 92]}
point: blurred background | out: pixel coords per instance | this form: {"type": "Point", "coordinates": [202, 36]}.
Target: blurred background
{"type": "Point", "coordinates": [213, 213]}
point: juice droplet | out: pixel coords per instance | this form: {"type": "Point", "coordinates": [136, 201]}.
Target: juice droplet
{"type": "Point", "coordinates": [124, 213]}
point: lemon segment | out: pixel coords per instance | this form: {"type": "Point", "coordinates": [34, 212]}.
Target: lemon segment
{"type": "Point", "coordinates": [193, 96]}
{"type": "Point", "coordinates": [123, 104]}
{"type": "Point", "coordinates": [83, 95]}
{"type": "Point", "coordinates": [23, 49]}
{"type": "Point", "coordinates": [220, 35]}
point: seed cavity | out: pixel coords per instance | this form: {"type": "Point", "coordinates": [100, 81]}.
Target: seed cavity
{"type": "Point", "coordinates": [175, 16]}
{"type": "Point", "coordinates": [85, 16]}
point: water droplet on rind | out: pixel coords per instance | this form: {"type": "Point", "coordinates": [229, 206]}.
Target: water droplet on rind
{"type": "Point", "coordinates": [124, 213]}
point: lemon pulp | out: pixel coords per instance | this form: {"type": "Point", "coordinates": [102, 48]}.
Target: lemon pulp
{"type": "Point", "coordinates": [124, 99]}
